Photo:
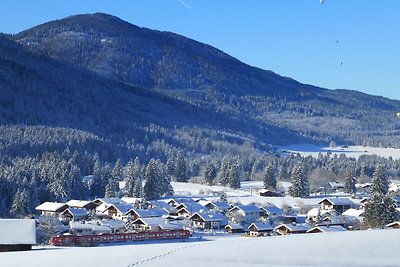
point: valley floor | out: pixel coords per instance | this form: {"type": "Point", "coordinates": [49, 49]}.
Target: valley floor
{"type": "Point", "coordinates": [362, 248]}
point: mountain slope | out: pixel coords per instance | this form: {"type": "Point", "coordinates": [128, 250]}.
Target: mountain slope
{"type": "Point", "coordinates": [207, 77]}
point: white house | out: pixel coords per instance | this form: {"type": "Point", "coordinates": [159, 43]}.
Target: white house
{"type": "Point", "coordinates": [51, 208]}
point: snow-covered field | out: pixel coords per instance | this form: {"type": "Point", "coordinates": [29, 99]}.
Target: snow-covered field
{"type": "Point", "coordinates": [362, 248]}
{"type": "Point", "coordinates": [246, 195]}
{"type": "Point", "coordinates": [350, 151]}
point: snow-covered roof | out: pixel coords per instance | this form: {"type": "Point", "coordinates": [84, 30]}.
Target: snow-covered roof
{"type": "Point", "coordinates": [211, 216]}
{"type": "Point", "coordinates": [338, 201]}
{"type": "Point", "coordinates": [17, 232]}
{"type": "Point", "coordinates": [327, 229]}
{"type": "Point", "coordinates": [157, 221]}
{"type": "Point", "coordinates": [122, 208]}
{"type": "Point", "coordinates": [221, 205]}
{"type": "Point", "coordinates": [110, 200]}
{"type": "Point", "coordinates": [392, 224]}
{"type": "Point", "coordinates": [235, 226]}
{"type": "Point", "coordinates": [160, 205]}
{"type": "Point", "coordinates": [191, 206]}
{"type": "Point", "coordinates": [51, 206]}
{"type": "Point", "coordinates": [77, 212]}
{"type": "Point", "coordinates": [353, 213]}
{"type": "Point", "coordinates": [113, 224]}
{"type": "Point", "coordinates": [150, 212]}
{"type": "Point", "coordinates": [264, 226]}
{"type": "Point", "coordinates": [336, 185]}
{"type": "Point", "coordinates": [246, 208]}
{"type": "Point", "coordinates": [295, 227]}
{"type": "Point", "coordinates": [272, 209]}
{"type": "Point", "coordinates": [74, 203]}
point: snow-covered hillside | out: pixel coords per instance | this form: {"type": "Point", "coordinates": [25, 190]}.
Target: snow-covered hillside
{"type": "Point", "coordinates": [362, 248]}
{"type": "Point", "coordinates": [350, 151]}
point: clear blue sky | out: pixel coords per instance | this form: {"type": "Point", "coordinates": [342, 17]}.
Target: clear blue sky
{"type": "Point", "coordinates": [301, 39]}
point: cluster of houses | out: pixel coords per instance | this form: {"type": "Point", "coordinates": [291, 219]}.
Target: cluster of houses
{"type": "Point", "coordinates": [117, 215]}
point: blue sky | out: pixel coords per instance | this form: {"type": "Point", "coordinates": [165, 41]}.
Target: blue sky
{"type": "Point", "coordinates": [352, 44]}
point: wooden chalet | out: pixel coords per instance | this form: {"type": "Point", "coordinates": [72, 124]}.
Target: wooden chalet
{"type": "Point", "coordinates": [81, 204]}
{"type": "Point", "coordinates": [260, 229]}
{"type": "Point", "coordinates": [209, 220]}
{"type": "Point", "coordinates": [340, 204]}
{"type": "Point", "coordinates": [326, 229]}
{"type": "Point", "coordinates": [288, 229]}
{"type": "Point", "coordinates": [155, 225]}
{"type": "Point", "coordinates": [72, 214]}
{"type": "Point", "coordinates": [17, 234]}
{"type": "Point", "coordinates": [51, 208]}
{"type": "Point", "coordinates": [234, 228]}
{"type": "Point", "coordinates": [394, 225]}
{"type": "Point", "coordinates": [118, 211]}
{"type": "Point", "coordinates": [268, 193]}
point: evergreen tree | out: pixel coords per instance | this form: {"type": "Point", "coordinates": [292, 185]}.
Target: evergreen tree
{"type": "Point", "coordinates": [117, 171]}
{"type": "Point", "coordinates": [209, 173]}
{"type": "Point", "coordinates": [20, 206]}
{"type": "Point", "coordinates": [350, 182]}
{"type": "Point", "coordinates": [379, 180]}
{"type": "Point", "coordinates": [233, 177]}
{"type": "Point", "coordinates": [130, 179]}
{"type": "Point", "coordinates": [269, 177]}
{"type": "Point", "coordinates": [223, 197]}
{"type": "Point", "coordinates": [283, 172]}
{"type": "Point", "coordinates": [164, 181]}
{"type": "Point", "coordinates": [380, 210]}
{"type": "Point", "coordinates": [111, 188]}
{"type": "Point", "coordinates": [151, 189]}
{"type": "Point", "coordinates": [223, 174]}
{"type": "Point", "coordinates": [299, 186]}
{"type": "Point", "coordinates": [138, 190]}
{"type": "Point", "coordinates": [180, 168]}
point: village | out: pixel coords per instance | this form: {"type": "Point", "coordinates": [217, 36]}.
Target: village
{"type": "Point", "coordinates": [127, 219]}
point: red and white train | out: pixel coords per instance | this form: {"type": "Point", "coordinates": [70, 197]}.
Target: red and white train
{"type": "Point", "coordinates": [93, 240]}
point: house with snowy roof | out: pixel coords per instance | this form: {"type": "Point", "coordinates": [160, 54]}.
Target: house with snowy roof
{"type": "Point", "coordinates": [118, 211]}
{"type": "Point", "coordinates": [394, 225]}
{"type": "Point", "coordinates": [326, 229]}
{"type": "Point", "coordinates": [186, 209]}
{"type": "Point", "coordinates": [51, 208]}
{"type": "Point", "coordinates": [270, 210]}
{"type": "Point", "coordinates": [81, 204]}
{"type": "Point", "coordinates": [17, 234]}
{"type": "Point", "coordinates": [334, 187]}
{"type": "Point", "coordinates": [260, 229]}
{"type": "Point", "coordinates": [209, 220]}
{"type": "Point", "coordinates": [134, 213]}
{"type": "Point", "coordinates": [233, 228]}
{"type": "Point", "coordinates": [321, 215]}
{"type": "Point", "coordinates": [288, 229]}
{"type": "Point", "coordinates": [340, 204]}
{"type": "Point", "coordinates": [116, 226]}
{"type": "Point", "coordinates": [155, 224]}
{"type": "Point", "coordinates": [220, 206]}
{"type": "Point", "coordinates": [72, 214]}
{"type": "Point", "coordinates": [244, 213]}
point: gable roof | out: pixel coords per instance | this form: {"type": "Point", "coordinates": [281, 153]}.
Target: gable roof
{"type": "Point", "coordinates": [397, 223]}
{"type": "Point", "coordinates": [210, 216]}
{"type": "Point", "coordinates": [246, 208]}
{"type": "Point", "coordinates": [340, 201]}
{"type": "Point", "coordinates": [221, 205]}
{"type": "Point", "coordinates": [76, 212]}
{"type": "Point", "coordinates": [150, 212]}
{"type": "Point", "coordinates": [74, 203]}
{"type": "Point", "coordinates": [52, 206]}
{"type": "Point", "coordinates": [121, 208]}
{"type": "Point", "coordinates": [264, 226]}
{"type": "Point", "coordinates": [295, 227]}
{"type": "Point", "coordinates": [272, 209]}
{"type": "Point", "coordinates": [17, 232]}
{"type": "Point", "coordinates": [89, 226]}
{"type": "Point", "coordinates": [327, 229]}
{"type": "Point", "coordinates": [110, 200]}
{"type": "Point", "coordinates": [157, 221]}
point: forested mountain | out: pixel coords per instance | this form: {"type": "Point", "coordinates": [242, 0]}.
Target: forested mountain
{"type": "Point", "coordinates": [207, 77]}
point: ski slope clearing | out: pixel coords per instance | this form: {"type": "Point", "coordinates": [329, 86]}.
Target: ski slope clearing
{"type": "Point", "coordinates": [350, 151]}
{"type": "Point", "coordinates": [362, 248]}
